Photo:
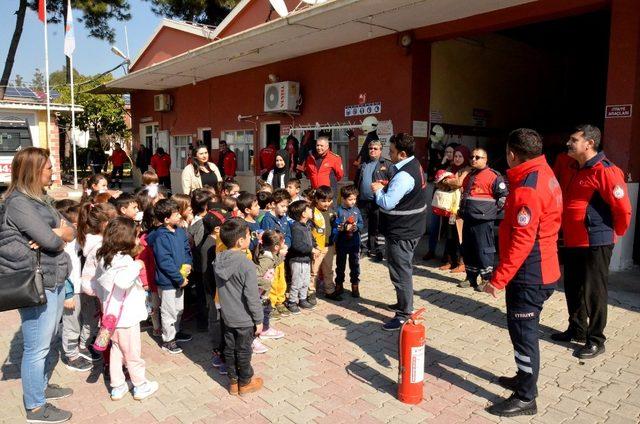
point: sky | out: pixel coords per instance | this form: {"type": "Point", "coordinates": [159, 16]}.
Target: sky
{"type": "Point", "coordinates": [92, 56]}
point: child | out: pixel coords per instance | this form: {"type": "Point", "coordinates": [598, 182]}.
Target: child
{"type": "Point", "coordinates": [230, 189]}
{"type": "Point", "coordinates": [93, 185]}
{"type": "Point", "coordinates": [272, 252]}
{"type": "Point", "coordinates": [265, 200]}
{"type": "Point", "coordinates": [293, 188]}
{"type": "Point", "coordinates": [276, 219]}
{"type": "Point", "coordinates": [307, 194]}
{"type": "Point", "coordinates": [92, 220]}
{"type": "Point", "coordinates": [121, 294]}
{"type": "Point", "coordinates": [186, 212]}
{"type": "Point", "coordinates": [237, 286]}
{"type": "Point", "coordinates": [76, 321]}
{"type": "Point", "coordinates": [262, 185]}
{"type": "Point", "coordinates": [320, 230]}
{"type": "Point", "coordinates": [346, 230]}
{"type": "Point", "coordinates": [171, 251]}
{"type": "Point", "coordinates": [148, 274]}
{"type": "Point", "coordinates": [199, 204]}
{"type": "Point", "coordinates": [127, 205]}
{"type": "Point", "coordinates": [299, 256]}
{"type": "Point", "coordinates": [250, 209]}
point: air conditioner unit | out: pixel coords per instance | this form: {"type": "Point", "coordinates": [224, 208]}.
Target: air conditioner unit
{"type": "Point", "coordinates": [162, 103]}
{"type": "Point", "coordinates": [282, 97]}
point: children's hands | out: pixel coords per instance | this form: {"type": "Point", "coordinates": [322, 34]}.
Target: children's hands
{"type": "Point", "coordinates": [258, 329]}
{"type": "Point", "coordinates": [184, 283]}
{"type": "Point", "coordinates": [315, 252]}
{"type": "Point", "coordinates": [70, 304]}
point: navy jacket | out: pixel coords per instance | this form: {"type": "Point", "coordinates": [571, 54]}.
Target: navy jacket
{"type": "Point", "coordinates": [271, 222]}
{"type": "Point", "coordinates": [344, 239]}
{"type": "Point", "coordinates": [171, 250]}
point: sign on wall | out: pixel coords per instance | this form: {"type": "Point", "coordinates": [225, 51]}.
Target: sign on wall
{"type": "Point", "coordinates": [420, 129]}
{"type": "Point", "coordinates": [618, 111]}
{"type": "Point", "coordinates": [363, 109]}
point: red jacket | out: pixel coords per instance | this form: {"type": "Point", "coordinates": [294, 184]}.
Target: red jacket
{"type": "Point", "coordinates": [161, 164]}
{"type": "Point", "coordinates": [330, 167]}
{"type": "Point", "coordinates": [118, 157]}
{"type": "Point", "coordinates": [267, 159]}
{"type": "Point", "coordinates": [528, 234]}
{"type": "Point", "coordinates": [228, 163]}
{"type": "Point", "coordinates": [596, 201]}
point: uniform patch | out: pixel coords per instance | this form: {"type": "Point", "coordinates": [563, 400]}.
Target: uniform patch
{"type": "Point", "coordinates": [502, 186]}
{"type": "Point", "coordinates": [524, 216]}
{"type": "Point", "coordinates": [618, 192]}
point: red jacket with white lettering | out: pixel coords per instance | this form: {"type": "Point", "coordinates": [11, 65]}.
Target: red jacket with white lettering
{"type": "Point", "coordinates": [528, 234]}
{"type": "Point", "coordinates": [596, 201]}
{"type": "Point", "coordinates": [328, 173]}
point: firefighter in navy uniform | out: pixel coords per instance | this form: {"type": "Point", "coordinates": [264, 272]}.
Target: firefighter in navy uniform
{"type": "Point", "coordinates": [528, 266]}
{"type": "Point", "coordinates": [483, 196]}
{"type": "Point", "coordinates": [596, 210]}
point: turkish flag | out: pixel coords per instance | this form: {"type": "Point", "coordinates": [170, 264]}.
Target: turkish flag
{"type": "Point", "coordinates": [42, 6]}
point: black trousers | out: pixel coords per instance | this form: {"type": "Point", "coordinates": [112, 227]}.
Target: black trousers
{"type": "Point", "coordinates": [117, 175]}
{"type": "Point", "coordinates": [165, 181]}
{"type": "Point", "coordinates": [524, 304]}
{"type": "Point", "coordinates": [586, 277]}
{"type": "Point", "coordinates": [371, 216]}
{"type": "Point", "coordinates": [478, 249]}
{"type": "Point", "coordinates": [400, 262]}
{"type": "Point", "coordinates": [237, 353]}
{"type": "Point", "coordinates": [341, 263]}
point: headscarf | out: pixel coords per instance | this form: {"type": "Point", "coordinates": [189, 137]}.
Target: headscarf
{"type": "Point", "coordinates": [466, 154]}
{"type": "Point", "coordinates": [281, 175]}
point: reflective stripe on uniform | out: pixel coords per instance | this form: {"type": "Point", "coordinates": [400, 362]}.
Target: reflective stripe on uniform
{"type": "Point", "coordinates": [409, 212]}
{"type": "Point", "coordinates": [522, 357]}
{"type": "Point", "coordinates": [528, 370]}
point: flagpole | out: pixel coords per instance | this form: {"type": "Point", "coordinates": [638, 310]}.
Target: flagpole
{"type": "Point", "coordinates": [73, 127]}
{"type": "Point", "coordinates": [46, 72]}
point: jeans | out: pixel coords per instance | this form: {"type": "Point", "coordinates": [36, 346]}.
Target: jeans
{"type": "Point", "coordinates": [237, 353]}
{"type": "Point", "coordinates": [400, 262]}
{"type": "Point", "coordinates": [354, 265]}
{"type": "Point", "coordinates": [39, 328]}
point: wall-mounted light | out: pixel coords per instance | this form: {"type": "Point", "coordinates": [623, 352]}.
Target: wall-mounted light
{"type": "Point", "coordinates": [406, 39]}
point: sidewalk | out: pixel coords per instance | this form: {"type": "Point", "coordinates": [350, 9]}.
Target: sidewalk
{"type": "Point", "coordinates": [336, 365]}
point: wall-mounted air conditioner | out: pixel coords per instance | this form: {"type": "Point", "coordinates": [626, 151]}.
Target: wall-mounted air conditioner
{"type": "Point", "coordinates": [282, 97]}
{"type": "Point", "coordinates": [162, 103]}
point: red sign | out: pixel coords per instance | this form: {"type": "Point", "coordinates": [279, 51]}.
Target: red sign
{"type": "Point", "coordinates": [5, 168]}
{"type": "Point", "coordinates": [617, 111]}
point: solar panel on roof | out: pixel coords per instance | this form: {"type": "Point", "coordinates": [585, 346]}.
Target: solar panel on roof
{"type": "Point", "coordinates": [20, 92]}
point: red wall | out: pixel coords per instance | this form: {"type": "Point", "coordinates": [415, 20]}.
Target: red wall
{"type": "Point", "coordinates": [168, 43]}
{"type": "Point", "coordinates": [254, 14]}
{"type": "Point", "coordinates": [329, 81]}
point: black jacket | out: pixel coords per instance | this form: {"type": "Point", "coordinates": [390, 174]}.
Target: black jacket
{"type": "Point", "coordinates": [384, 171]}
{"type": "Point", "coordinates": [302, 243]}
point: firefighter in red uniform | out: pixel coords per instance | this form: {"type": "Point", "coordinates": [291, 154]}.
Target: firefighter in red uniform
{"type": "Point", "coordinates": [528, 266]}
{"type": "Point", "coordinates": [483, 196]}
{"type": "Point", "coordinates": [323, 167]}
{"type": "Point", "coordinates": [118, 159]}
{"type": "Point", "coordinates": [227, 162]}
{"type": "Point", "coordinates": [267, 158]}
{"type": "Point", "coordinates": [596, 210]}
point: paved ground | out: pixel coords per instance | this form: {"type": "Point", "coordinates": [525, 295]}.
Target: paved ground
{"type": "Point", "coordinates": [336, 365]}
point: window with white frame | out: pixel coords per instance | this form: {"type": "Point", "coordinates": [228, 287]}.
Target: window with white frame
{"type": "Point", "coordinates": [180, 151]}
{"type": "Point", "coordinates": [148, 135]}
{"type": "Point", "coordinates": [241, 143]}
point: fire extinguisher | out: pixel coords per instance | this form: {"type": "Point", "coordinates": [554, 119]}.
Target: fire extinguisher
{"type": "Point", "coordinates": [411, 369]}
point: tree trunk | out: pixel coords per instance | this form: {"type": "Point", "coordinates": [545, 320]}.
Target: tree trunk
{"type": "Point", "coordinates": [13, 47]}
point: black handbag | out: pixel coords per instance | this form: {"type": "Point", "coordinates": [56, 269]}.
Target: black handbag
{"type": "Point", "coordinates": [22, 289]}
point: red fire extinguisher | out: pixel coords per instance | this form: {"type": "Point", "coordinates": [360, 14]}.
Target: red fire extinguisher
{"type": "Point", "coordinates": [411, 370]}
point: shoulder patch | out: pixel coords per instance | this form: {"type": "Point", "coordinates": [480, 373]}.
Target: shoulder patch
{"type": "Point", "coordinates": [524, 216]}
{"type": "Point", "coordinates": [502, 185]}
{"type": "Point", "coordinates": [618, 192]}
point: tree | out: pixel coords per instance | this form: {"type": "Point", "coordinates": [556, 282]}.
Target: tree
{"type": "Point", "coordinates": [96, 16]}
{"type": "Point", "coordinates": [19, 81]}
{"type": "Point", "coordinates": [210, 12]}
{"type": "Point", "coordinates": [37, 83]}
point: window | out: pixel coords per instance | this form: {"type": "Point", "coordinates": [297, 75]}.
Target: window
{"type": "Point", "coordinates": [180, 151]}
{"type": "Point", "coordinates": [148, 136]}
{"type": "Point", "coordinates": [241, 143]}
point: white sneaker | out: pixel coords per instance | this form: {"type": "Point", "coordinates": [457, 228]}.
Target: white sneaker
{"type": "Point", "coordinates": [119, 392]}
{"type": "Point", "coordinates": [145, 390]}
{"type": "Point", "coordinates": [258, 347]}
{"type": "Point", "coordinates": [272, 333]}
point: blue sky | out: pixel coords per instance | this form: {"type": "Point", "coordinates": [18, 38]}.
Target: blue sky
{"type": "Point", "coordinates": [91, 56]}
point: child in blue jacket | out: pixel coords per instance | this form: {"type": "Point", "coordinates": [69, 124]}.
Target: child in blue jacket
{"type": "Point", "coordinates": [345, 231]}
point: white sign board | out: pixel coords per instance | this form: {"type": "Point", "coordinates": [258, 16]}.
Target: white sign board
{"type": "Point", "coordinates": [420, 128]}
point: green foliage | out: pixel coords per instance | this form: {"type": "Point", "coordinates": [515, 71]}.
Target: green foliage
{"type": "Point", "coordinates": [19, 81]}
{"type": "Point", "coordinates": [37, 82]}
{"type": "Point", "coordinates": [210, 12]}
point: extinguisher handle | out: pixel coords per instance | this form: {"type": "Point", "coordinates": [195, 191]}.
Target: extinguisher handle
{"type": "Point", "coordinates": [417, 315]}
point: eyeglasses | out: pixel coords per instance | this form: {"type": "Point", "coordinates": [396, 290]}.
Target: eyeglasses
{"type": "Point", "coordinates": [476, 157]}
{"type": "Point", "coordinates": [374, 148]}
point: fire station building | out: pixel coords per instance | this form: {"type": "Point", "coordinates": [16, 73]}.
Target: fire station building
{"type": "Point", "coordinates": [477, 68]}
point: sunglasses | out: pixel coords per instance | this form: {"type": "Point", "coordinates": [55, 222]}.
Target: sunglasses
{"type": "Point", "coordinates": [476, 157]}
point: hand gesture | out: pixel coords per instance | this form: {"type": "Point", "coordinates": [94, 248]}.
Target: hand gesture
{"type": "Point", "coordinates": [491, 289]}
{"type": "Point", "coordinates": [375, 186]}
{"type": "Point", "coordinates": [184, 283]}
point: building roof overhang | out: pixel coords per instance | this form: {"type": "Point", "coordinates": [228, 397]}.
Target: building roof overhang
{"type": "Point", "coordinates": [329, 25]}
{"type": "Point", "coordinates": [54, 107]}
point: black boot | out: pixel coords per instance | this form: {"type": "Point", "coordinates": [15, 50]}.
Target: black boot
{"type": "Point", "coordinates": [339, 288]}
{"type": "Point", "coordinates": [513, 407]}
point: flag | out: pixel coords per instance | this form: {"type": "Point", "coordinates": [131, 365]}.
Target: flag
{"type": "Point", "coordinates": [42, 10]}
{"type": "Point", "coordinates": [69, 37]}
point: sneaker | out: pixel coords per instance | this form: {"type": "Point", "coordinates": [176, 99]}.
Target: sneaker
{"type": "Point", "coordinates": [119, 392]}
{"type": "Point", "coordinates": [272, 333]}
{"type": "Point", "coordinates": [254, 385]}
{"type": "Point", "coordinates": [274, 315]}
{"type": "Point", "coordinates": [282, 310]}
{"type": "Point", "coordinates": [393, 325]}
{"type": "Point", "coordinates": [312, 298]}
{"type": "Point", "coordinates": [171, 347]}
{"type": "Point", "coordinates": [222, 369]}
{"type": "Point", "coordinates": [145, 390]}
{"type": "Point", "coordinates": [54, 391]}
{"type": "Point", "coordinates": [48, 413]}
{"type": "Point", "coordinates": [90, 355]}
{"type": "Point", "coordinates": [379, 257]}
{"type": "Point", "coordinates": [217, 360]}
{"type": "Point", "coordinates": [333, 296]}
{"type": "Point", "coordinates": [258, 348]}
{"type": "Point", "coordinates": [183, 337]}
{"type": "Point", "coordinates": [303, 304]}
{"type": "Point", "coordinates": [79, 364]}
{"type": "Point", "coordinates": [293, 308]}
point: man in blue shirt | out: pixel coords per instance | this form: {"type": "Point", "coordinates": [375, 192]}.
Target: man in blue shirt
{"type": "Point", "coordinates": [380, 169]}
{"type": "Point", "coordinates": [403, 203]}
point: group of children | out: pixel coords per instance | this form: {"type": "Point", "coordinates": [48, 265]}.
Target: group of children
{"type": "Point", "coordinates": [241, 260]}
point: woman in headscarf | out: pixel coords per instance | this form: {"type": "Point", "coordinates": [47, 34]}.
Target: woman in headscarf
{"type": "Point", "coordinates": [459, 167]}
{"type": "Point", "coordinates": [279, 176]}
